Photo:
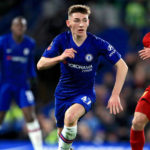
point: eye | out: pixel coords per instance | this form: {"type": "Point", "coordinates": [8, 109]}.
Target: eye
{"type": "Point", "coordinates": [76, 20]}
{"type": "Point", "coordinates": [85, 20]}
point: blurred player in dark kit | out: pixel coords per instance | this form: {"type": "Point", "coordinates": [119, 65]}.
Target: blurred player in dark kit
{"type": "Point", "coordinates": [17, 67]}
{"type": "Point", "coordinates": [78, 51]}
{"type": "Point", "coordinates": [142, 111]}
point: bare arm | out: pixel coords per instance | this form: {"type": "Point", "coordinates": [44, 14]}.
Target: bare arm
{"type": "Point", "coordinates": [45, 63]}
{"type": "Point", "coordinates": [144, 53]}
{"type": "Point", "coordinates": [114, 102]}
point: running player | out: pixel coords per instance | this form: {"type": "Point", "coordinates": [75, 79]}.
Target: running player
{"type": "Point", "coordinates": [142, 111]}
{"type": "Point", "coordinates": [17, 66]}
{"type": "Point", "coordinates": [78, 51]}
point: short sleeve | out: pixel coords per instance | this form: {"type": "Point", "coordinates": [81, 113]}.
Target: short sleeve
{"type": "Point", "coordinates": [108, 51]}
{"type": "Point", "coordinates": [53, 49]}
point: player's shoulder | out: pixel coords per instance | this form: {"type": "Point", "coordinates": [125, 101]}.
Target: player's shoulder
{"type": "Point", "coordinates": [63, 35]}
{"type": "Point", "coordinates": [29, 39]}
{"type": "Point", "coordinates": [96, 40]}
{"type": "Point", "coordinates": [94, 37]}
{"type": "Point", "coordinates": [5, 37]}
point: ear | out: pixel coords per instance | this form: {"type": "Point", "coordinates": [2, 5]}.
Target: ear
{"type": "Point", "coordinates": [68, 23]}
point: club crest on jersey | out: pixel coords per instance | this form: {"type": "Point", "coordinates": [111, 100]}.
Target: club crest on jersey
{"type": "Point", "coordinates": [88, 57]}
{"type": "Point", "coordinates": [8, 51]}
{"type": "Point", "coordinates": [26, 51]}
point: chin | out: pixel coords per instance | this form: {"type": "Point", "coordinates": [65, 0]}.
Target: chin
{"type": "Point", "coordinates": [80, 34]}
{"type": "Point", "coordinates": [19, 34]}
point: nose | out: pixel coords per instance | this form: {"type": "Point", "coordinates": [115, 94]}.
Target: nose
{"type": "Point", "coordinates": [81, 24]}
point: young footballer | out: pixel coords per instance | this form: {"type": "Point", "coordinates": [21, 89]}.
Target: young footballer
{"type": "Point", "coordinates": [78, 51]}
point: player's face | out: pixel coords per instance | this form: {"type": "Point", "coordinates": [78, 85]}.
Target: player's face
{"type": "Point", "coordinates": [18, 27]}
{"type": "Point", "coordinates": [78, 23]}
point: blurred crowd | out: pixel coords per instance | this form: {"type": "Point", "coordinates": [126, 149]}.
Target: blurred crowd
{"type": "Point", "coordinates": [123, 23]}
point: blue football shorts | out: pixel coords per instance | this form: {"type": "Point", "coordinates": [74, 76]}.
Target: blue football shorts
{"type": "Point", "coordinates": [8, 92]}
{"type": "Point", "coordinates": [62, 105]}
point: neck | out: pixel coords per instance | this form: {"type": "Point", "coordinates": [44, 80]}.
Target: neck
{"type": "Point", "coordinates": [18, 39]}
{"type": "Point", "coordinates": [79, 39]}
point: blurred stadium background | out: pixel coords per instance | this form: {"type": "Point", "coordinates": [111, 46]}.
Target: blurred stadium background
{"type": "Point", "coordinates": [123, 23]}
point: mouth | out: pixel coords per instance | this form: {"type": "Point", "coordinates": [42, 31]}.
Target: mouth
{"type": "Point", "coordinates": [80, 30]}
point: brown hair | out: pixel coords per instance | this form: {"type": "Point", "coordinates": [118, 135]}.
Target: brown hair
{"type": "Point", "coordinates": [79, 8]}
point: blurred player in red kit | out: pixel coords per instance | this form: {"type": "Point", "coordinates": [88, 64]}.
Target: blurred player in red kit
{"type": "Point", "coordinates": [142, 111]}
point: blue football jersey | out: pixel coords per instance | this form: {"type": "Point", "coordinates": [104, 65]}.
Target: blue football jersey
{"type": "Point", "coordinates": [77, 75]}
{"type": "Point", "coordinates": [17, 63]}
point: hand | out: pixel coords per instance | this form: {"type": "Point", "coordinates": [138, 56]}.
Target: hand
{"type": "Point", "coordinates": [114, 104]}
{"type": "Point", "coordinates": [68, 53]}
{"type": "Point", "coordinates": [144, 53]}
